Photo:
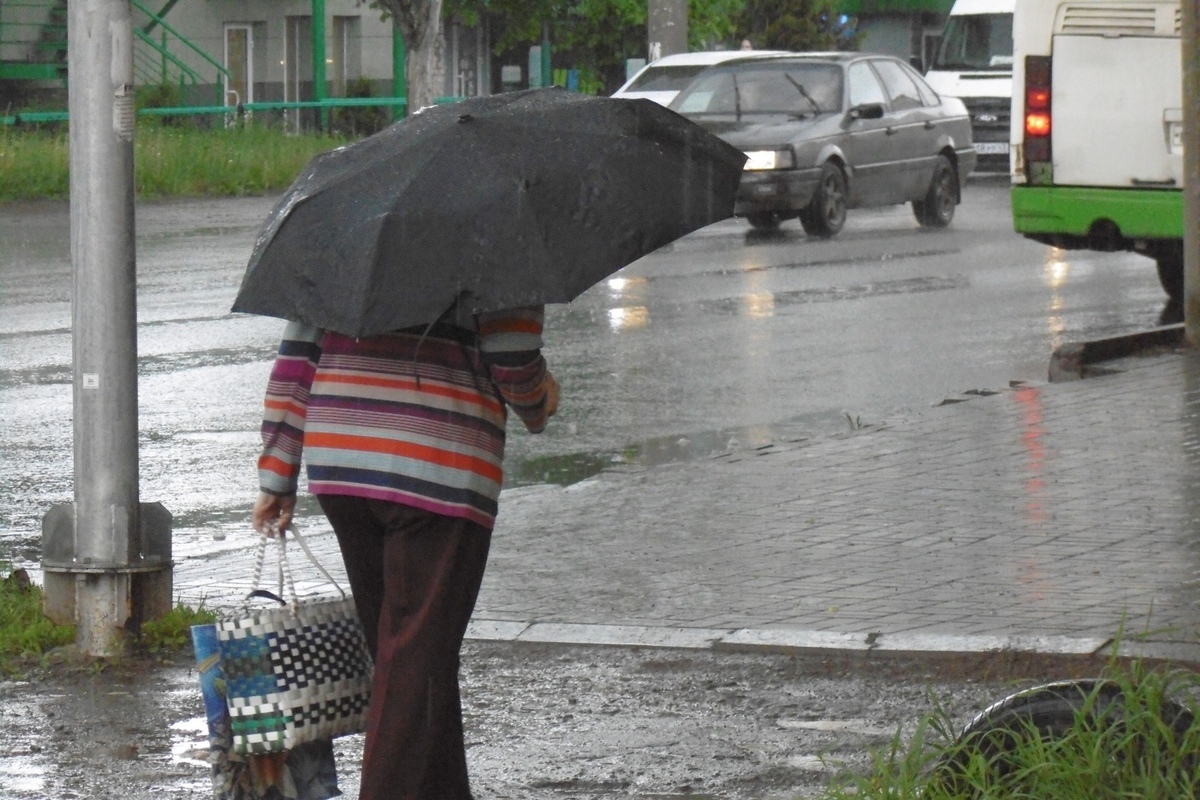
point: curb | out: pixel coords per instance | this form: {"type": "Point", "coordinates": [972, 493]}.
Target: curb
{"type": "Point", "coordinates": [1077, 360]}
{"type": "Point", "coordinates": [866, 646]}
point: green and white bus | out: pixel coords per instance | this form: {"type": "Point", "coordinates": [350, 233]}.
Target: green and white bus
{"type": "Point", "coordinates": [1097, 128]}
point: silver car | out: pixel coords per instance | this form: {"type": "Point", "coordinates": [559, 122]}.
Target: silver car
{"type": "Point", "coordinates": [825, 132]}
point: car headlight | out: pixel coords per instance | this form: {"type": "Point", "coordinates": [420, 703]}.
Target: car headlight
{"type": "Point", "coordinates": [783, 158]}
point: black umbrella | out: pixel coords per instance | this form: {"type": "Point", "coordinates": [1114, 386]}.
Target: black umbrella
{"type": "Point", "coordinates": [514, 199]}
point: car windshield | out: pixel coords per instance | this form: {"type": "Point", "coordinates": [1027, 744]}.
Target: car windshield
{"type": "Point", "coordinates": [976, 42]}
{"type": "Point", "coordinates": [665, 79]}
{"type": "Point", "coordinates": [795, 89]}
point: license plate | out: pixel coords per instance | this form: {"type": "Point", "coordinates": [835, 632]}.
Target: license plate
{"type": "Point", "coordinates": [991, 148]}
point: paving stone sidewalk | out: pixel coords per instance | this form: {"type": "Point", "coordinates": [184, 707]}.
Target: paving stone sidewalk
{"type": "Point", "coordinates": [1046, 518]}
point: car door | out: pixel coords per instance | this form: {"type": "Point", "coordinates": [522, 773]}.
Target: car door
{"type": "Point", "coordinates": [913, 134]}
{"type": "Point", "coordinates": [869, 149]}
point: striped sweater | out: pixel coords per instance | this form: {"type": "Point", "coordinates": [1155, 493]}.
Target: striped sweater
{"type": "Point", "coordinates": [414, 417]}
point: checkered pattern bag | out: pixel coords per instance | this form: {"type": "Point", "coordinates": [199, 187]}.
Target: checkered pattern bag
{"type": "Point", "coordinates": [297, 672]}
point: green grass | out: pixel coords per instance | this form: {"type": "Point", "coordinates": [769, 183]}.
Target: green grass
{"type": "Point", "coordinates": [26, 633]}
{"type": "Point", "coordinates": [1129, 749]}
{"type": "Point", "coordinates": [173, 631]}
{"type": "Point", "coordinates": [169, 161]}
{"type": "Point", "coordinates": [24, 629]}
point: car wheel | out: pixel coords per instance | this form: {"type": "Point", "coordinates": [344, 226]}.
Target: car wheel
{"type": "Point", "coordinates": [825, 214]}
{"type": "Point", "coordinates": [1169, 259]}
{"type": "Point", "coordinates": [937, 209]}
{"type": "Point", "coordinates": [764, 220]}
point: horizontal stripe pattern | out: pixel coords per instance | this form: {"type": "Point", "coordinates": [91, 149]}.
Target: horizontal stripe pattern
{"type": "Point", "coordinates": [414, 417]}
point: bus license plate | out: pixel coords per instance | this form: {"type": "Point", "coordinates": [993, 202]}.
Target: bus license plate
{"type": "Point", "coordinates": [991, 148]}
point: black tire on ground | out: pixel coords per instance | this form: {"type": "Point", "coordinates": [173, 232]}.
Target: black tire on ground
{"type": "Point", "coordinates": [825, 214]}
{"type": "Point", "coordinates": [1169, 259]}
{"type": "Point", "coordinates": [937, 208]}
{"type": "Point", "coordinates": [764, 220]}
{"type": "Point", "coordinates": [1047, 711]}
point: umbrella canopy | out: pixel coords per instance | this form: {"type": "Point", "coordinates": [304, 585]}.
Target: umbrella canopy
{"type": "Point", "coordinates": [513, 199]}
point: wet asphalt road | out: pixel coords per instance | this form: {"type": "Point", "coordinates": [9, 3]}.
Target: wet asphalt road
{"type": "Point", "coordinates": [543, 722]}
{"type": "Point", "coordinates": [725, 334]}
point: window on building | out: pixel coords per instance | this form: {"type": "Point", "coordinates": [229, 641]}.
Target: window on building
{"type": "Point", "coordinates": [345, 59]}
{"type": "Point", "coordinates": [239, 64]}
{"type": "Point", "coordinates": [297, 66]}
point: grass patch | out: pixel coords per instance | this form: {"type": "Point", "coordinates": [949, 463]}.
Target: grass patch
{"type": "Point", "coordinates": [24, 629]}
{"type": "Point", "coordinates": [173, 631]}
{"type": "Point", "coordinates": [1132, 734]}
{"type": "Point", "coordinates": [169, 161]}
{"type": "Point", "coordinates": [26, 633]}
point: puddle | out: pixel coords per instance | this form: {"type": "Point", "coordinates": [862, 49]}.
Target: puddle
{"type": "Point", "coordinates": [571, 468]}
{"type": "Point", "coordinates": [189, 742]}
{"type": "Point", "coordinates": [829, 294]}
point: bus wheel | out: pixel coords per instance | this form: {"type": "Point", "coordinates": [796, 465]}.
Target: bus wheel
{"type": "Point", "coordinates": [1169, 258]}
{"type": "Point", "coordinates": [937, 209]}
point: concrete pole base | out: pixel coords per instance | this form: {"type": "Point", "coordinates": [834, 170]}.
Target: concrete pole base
{"type": "Point", "coordinates": [106, 601]}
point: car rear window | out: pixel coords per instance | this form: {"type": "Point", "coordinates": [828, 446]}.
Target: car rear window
{"type": "Point", "coordinates": [793, 89]}
{"type": "Point", "coordinates": [665, 79]}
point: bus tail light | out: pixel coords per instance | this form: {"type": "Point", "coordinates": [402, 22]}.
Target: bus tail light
{"type": "Point", "coordinates": [1038, 119]}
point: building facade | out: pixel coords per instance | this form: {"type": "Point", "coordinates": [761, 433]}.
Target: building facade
{"type": "Point", "coordinates": [226, 52]}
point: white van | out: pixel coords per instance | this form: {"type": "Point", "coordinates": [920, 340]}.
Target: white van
{"type": "Point", "coordinates": [974, 63]}
{"type": "Point", "coordinates": [1097, 133]}
{"type": "Point", "coordinates": [662, 79]}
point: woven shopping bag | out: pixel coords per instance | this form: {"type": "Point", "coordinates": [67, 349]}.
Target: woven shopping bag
{"type": "Point", "coordinates": [295, 672]}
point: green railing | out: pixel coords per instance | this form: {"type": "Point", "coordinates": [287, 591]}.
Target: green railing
{"type": "Point", "coordinates": [162, 60]}
{"type": "Point", "coordinates": [46, 37]}
{"type": "Point", "coordinates": [146, 67]}
{"type": "Point", "coordinates": [240, 110]}
{"type": "Point", "coordinates": [155, 69]}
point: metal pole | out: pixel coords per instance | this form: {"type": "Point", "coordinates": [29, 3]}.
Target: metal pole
{"type": "Point", "coordinates": [547, 73]}
{"type": "Point", "coordinates": [104, 316]}
{"type": "Point", "coordinates": [1191, 169]}
{"type": "Point", "coordinates": [318, 47]}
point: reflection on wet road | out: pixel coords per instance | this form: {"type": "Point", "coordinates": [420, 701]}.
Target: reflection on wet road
{"type": "Point", "coordinates": [725, 340]}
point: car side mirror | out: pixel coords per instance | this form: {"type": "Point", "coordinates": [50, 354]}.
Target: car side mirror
{"type": "Point", "coordinates": [867, 111]}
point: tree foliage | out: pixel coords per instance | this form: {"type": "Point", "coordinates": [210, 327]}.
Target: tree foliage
{"type": "Point", "coordinates": [598, 36]}
{"type": "Point", "coordinates": [793, 25]}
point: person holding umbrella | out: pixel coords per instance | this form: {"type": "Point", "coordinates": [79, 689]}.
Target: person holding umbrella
{"type": "Point", "coordinates": [414, 266]}
{"type": "Point", "coordinates": [403, 434]}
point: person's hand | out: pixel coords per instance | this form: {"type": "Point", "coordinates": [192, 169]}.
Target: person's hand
{"type": "Point", "coordinates": [272, 513]}
{"type": "Point", "coordinates": [551, 395]}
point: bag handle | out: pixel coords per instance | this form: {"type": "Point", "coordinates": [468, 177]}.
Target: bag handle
{"type": "Point", "coordinates": [285, 568]}
{"type": "Point", "coordinates": [284, 575]}
{"type": "Point", "coordinates": [304, 546]}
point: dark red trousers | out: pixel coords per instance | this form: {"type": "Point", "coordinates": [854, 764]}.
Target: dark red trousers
{"type": "Point", "coordinates": [415, 577]}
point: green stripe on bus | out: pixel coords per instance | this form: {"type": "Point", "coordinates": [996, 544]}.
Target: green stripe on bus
{"type": "Point", "coordinates": [1139, 213]}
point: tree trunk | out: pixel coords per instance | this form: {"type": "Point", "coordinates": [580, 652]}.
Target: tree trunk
{"type": "Point", "coordinates": [427, 62]}
{"type": "Point", "coordinates": [420, 23]}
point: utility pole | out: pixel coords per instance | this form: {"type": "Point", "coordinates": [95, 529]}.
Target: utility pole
{"type": "Point", "coordinates": [1191, 169]}
{"type": "Point", "coordinates": [106, 557]}
{"type": "Point", "coordinates": [666, 28]}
